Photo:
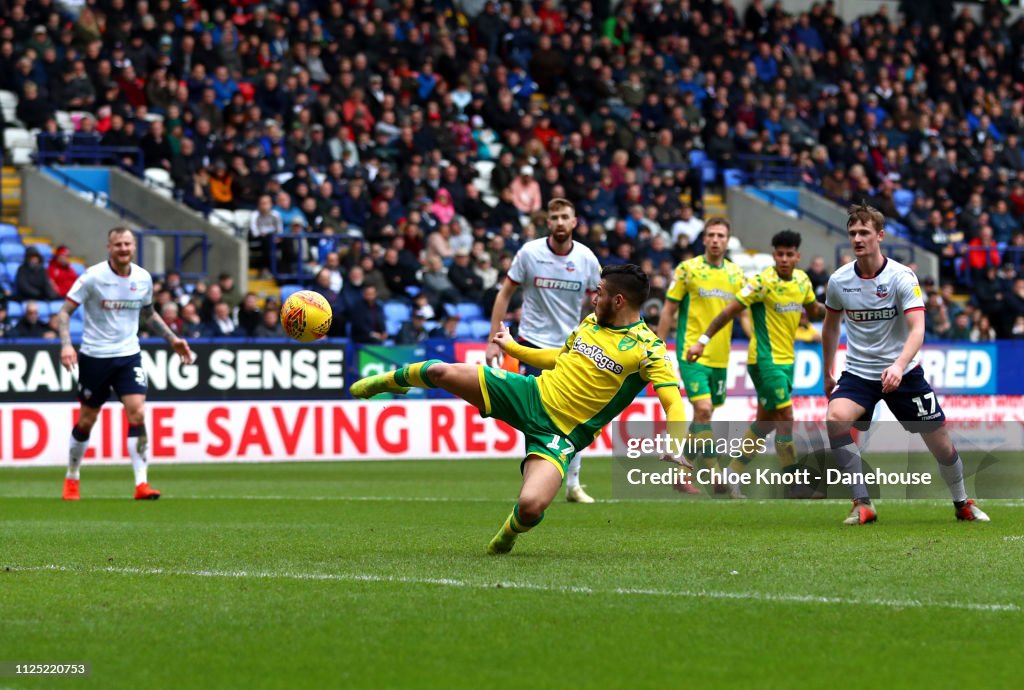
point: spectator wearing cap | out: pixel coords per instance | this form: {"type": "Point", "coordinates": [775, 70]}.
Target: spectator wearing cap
{"type": "Point", "coordinates": [61, 274]}
{"type": "Point", "coordinates": [31, 281]}
{"type": "Point", "coordinates": [414, 330]}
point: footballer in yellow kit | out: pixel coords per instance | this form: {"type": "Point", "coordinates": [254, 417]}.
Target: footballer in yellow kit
{"type": "Point", "coordinates": [600, 368]}
{"type": "Point", "coordinates": [701, 289]}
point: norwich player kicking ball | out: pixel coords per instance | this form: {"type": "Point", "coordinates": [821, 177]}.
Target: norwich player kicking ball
{"type": "Point", "coordinates": [776, 297]}
{"type": "Point", "coordinates": [602, 366]}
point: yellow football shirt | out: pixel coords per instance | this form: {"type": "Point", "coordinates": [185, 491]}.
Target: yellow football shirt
{"type": "Point", "coordinates": [702, 291]}
{"type": "Point", "coordinates": [775, 307]}
{"type": "Point", "coordinates": [598, 373]}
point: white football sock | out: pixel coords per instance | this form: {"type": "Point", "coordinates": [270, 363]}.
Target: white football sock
{"type": "Point", "coordinates": [76, 451]}
{"type": "Point", "coordinates": [572, 475]}
{"type": "Point", "coordinates": [137, 451]}
{"type": "Point", "coordinates": [954, 476]}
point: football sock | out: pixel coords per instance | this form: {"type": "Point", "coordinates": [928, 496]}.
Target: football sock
{"type": "Point", "coordinates": [952, 472]}
{"type": "Point", "coordinates": [786, 450]}
{"type": "Point", "coordinates": [702, 440]}
{"type": "Point", "coordinates": [757, 431]}
{"type": "Point", "coordinates": [847, 456]}
{"type": "Point", "coordinates": [76, 451]}
{"type": "Point", "coordinates": [572, 476]}
{"type": "Point", "coordinates": [513, 527]}
{"type": "Point", "coordinates": [137, 451]}
{"type": "Point", "coordinates": [415, 375]}
{"type": "Point", "coordinates": [516, 525]}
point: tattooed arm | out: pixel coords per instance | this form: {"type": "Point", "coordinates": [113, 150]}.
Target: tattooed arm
{"type": "Point", "coordinates": [160, 328]}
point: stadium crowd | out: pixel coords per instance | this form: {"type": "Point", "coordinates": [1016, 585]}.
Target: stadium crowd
{"type": "Point", "coordinates": [356, 131]}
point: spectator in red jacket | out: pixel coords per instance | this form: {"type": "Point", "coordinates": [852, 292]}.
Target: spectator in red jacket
{"type": "Point", "coordinates": [62, 275]}
{"type": "Point", "coordinates": [982, 250]}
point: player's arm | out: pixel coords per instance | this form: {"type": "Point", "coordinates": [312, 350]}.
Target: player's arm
{"type": "Point", "coordinates": [893, 374]}
{"type": "Point", "coordinates": [829, 343]}
{"type": "Point", "coordinates": [815, 310]}
{"type": "Point", "coordinates": [161, 329]}
{"type": "Point", "coordinates": [498, 312]}
{"type": "Point", "coordinates": [539, 358]}
{"type": "Point", "coordinates": [675, 413]}
{"type": "Point", "coordinates": [668, 319]}
{"type": "Point", "coordinates": [731, 311]}
{"type": "Point", "coordinates": [68, 356]}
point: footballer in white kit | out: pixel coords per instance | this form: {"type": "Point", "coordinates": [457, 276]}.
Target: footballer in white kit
{"type": "Point", "coordinates": [113, 294]}
{"type": "Point", "coordinates": [556, 275]}
{"type": "Point", "coordinates": [884, 311]}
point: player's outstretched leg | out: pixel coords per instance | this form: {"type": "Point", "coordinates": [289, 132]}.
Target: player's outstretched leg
{"type": "Point", "coordinates": [574, 492]}
{"type": "Point", "coordinates": [541, 481]}
{"type": "Point", "coordinates": [951, 467]}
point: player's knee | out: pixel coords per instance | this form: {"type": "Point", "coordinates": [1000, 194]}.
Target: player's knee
{"type": "Point", "coordinates": [440, 373]}
{"type": "Point", "coordinates": [87, 419]}
{"type": "Point", "coordinates": [531, 507]}
{"type": "Point", "coordinates": [702, 412]}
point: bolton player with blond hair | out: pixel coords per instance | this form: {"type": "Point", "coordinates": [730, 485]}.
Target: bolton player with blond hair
{"type": "Point", "coordinates": [556, 274]}
{"type": "Point", "coordinates": [113, 294]}
{"type": "Point", "coordinates": [701, 288]}
{"type": "Point", "coordinates": [596, 373]}
{"type": "Point", "coordinates": [777, 297]}
{"type": "Point", "coordinates": [884, 312]}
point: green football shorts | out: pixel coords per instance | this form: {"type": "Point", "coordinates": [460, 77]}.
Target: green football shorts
{"type": "Point", "coordinates": [703, 382]}
{"type": "Point", "coordinates": [774, 384]}
{"type": "Point", "coordinates": [515, 399]}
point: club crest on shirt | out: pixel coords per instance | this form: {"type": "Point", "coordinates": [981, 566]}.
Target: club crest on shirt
{"type": "Point", "coordinates": [627, 343]}
{"type": "Point", "coordinates": [570, 266]}
{"type": "Point", "coordinates": [881, 290]}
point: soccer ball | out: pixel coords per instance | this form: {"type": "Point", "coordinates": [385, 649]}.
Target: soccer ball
{"type": "Point", "coordinates": [306, 316]}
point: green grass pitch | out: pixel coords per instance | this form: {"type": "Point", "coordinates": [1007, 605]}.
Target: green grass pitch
{"type": "Point", "coordinates": [374, 575]}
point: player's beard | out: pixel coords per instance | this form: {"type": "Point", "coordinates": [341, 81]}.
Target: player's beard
{"type": "Point", "coordinates": [604, 315]}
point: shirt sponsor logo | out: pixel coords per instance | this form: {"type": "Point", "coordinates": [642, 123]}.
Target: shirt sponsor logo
{"type": "Point", "coordinates": [788, 307]}
{"type": "Point", "coordinates": [558, 284]}
{"type": "Point", "coordinates": [598, 356]}
{"type": "Point", "coordinates": [863, 315]}
{"type": "Point", "coordinates": [714, 292]}
{"type": "Point", "coordinates": [120, 304]}
{"type": "Point", "coordinates": [851, 290]}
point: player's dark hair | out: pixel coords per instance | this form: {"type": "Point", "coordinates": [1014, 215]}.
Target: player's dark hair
{"type": "Point", "coordinates": [869, 215]}
{"type": "Point", "coordinates": [561, 202]}
{"type": "Point", "coordinates": [628, 280]}
{"type": "Point", "coordinates": [786, 238]}
{"type": "Point", "coordinates": [718, 220]}
{"type": "Point", "coordinates": [118, 230]}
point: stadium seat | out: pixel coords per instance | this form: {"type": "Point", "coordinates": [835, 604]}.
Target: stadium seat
{"type": "Point", "coordinates": [160, 181]}
{"type": "Point", "coordinates": [12, 252]}
{"type": "Point", "coordinates": [16, 137]}
{"type": "Point", "coordinates": [64, 121]}
{"type": "Point", "coordinates": [482, 181]}
{"type": "Point", "coordinates": [392, 326]}
{"type": "Point", "coordinates": [481, 328]}
{"type": "Point", "coordinates": [44, 310]}
{"type": "Point", "coordinates": [397, 311]}
{"type": "Point", "coordinates": [9, 103]}
{"type": "Point", "coordinates": [732, 177]}
{"type": "Point", "coordinates": [79, 267]}
{"type": "Point", "coordinates": [55, 305]}
{"type": "Point", "coordinates": [75, 328]}
{"type": "Point", "coordinates": [904, 201]}
{"type": "Point", "coordinates": [12, 268]}
{"type": "Point", "coordinates": [7, 230]}
{"type": "Point", "coordinates": [469, 311]}
{"type": "Point", "coordinates": [463, 330]}
{"type": "Point", "coordinates": [243, 217]}
{"type": "Point", "coordinates": [15, 310]}
{"type": "Point", "coordinates": [288, 290]}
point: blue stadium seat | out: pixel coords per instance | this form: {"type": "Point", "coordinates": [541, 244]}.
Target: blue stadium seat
{"type": "Point", "coordinates": [481, 328]}
{"type": "Point", "coordinates": [904, 201]}
{"type": "Point", "coordinates": [12, 268]}
{"type": "Point", "coordinates": [392, 326]}
{"type": "Point", "coordinates": [288, 290]}
{"type": "Point", "coordinates": [697, 158]}
{"type": "Point", "coordinates": [55, 305]}
{"type": "Point", "coordinates": [15, 310]}
{"type": "Point", "coordinates": [463, 330]}
{"type": "Point", "coordinates": [732, 177]}
{"type": "Point", "coordinates": [44, 310]}
{"type": "Point", "coordinates": [79, 267]}
{"type": "Point", "coordinates": [709, 171]}
{"type": "Point", "coordinates": [469, 311]}
{"type": "Point", "coordinates": [75, 328]}
{"type": "Point", "coordinates": [12, 251]}
{"type": "Point", "coordinates": [8, 230]}
{"type": "Point", "coordinates": [397, 311]}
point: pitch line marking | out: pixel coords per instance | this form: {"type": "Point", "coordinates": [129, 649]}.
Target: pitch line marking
{"type": "Point", "coordinates": [526, 586]}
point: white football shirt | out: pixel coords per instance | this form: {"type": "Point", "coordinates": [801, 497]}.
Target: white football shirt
{"type": "Point", "coordinates": [554, 287]}
{"type": "Point", "coordinates": [874, 305]}
{"type": "Point", "coordinates": [112, 304]}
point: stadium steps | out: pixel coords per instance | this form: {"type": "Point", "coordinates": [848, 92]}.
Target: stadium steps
{"type": "Point", "coordinates": [714, 205]}
{"type": "Point", "coordinates": [264, 288]}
